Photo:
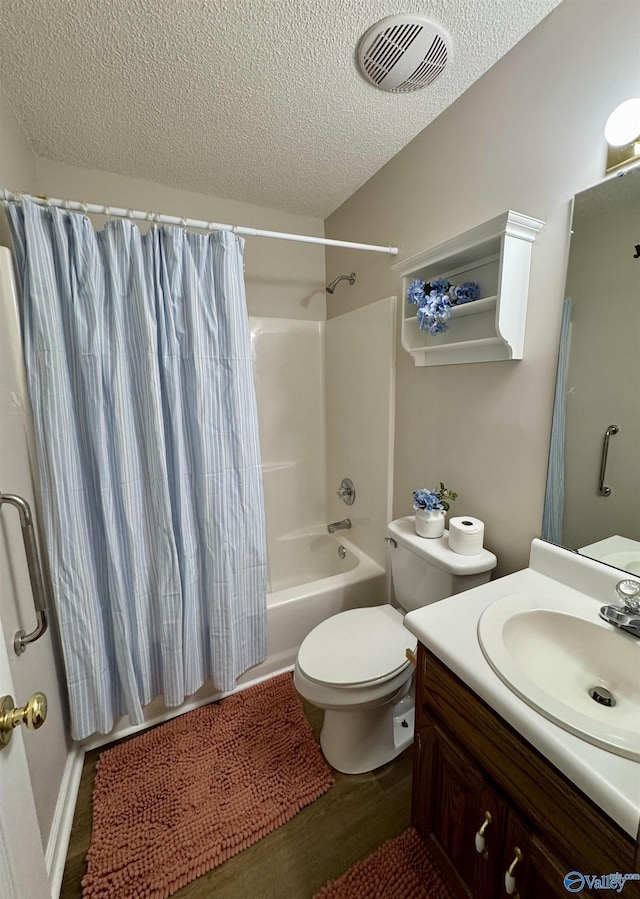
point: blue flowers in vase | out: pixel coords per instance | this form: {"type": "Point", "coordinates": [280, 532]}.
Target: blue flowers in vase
{"type": "Point", "coordinates": [434, 300]}
{"type": "Point", "coordinates": [428, 500]}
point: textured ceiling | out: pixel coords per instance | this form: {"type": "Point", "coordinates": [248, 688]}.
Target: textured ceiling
{"type": "Point", "coordinates": [255, 100]}
{"type": "Point", "coordinates": [615, 193]}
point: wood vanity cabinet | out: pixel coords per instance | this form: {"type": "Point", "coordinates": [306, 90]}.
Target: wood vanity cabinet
{"type": "Point", "coordinates": [473, 772]}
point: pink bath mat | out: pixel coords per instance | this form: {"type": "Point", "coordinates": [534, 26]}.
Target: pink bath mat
{"type": "Point", "coordinates": [184, 797]}
{"type": "Point", "coordinates": [400, 869]}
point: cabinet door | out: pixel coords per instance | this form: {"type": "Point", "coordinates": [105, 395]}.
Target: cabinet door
{"type": "Point", "coordinates": [537, 872]}
{"type": "Point", "coordinates": [451, 803]}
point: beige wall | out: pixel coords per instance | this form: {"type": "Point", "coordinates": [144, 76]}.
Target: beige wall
{"type": "Point", "coordinates": [526, 136]}
{"type": "Point", "coordinates": [17, 160]}
{"type": "Point", "coordinates": [283, 279]}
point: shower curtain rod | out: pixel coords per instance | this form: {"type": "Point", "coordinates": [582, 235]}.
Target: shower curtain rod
{"type": "Point", "coordinates": [201, 224]}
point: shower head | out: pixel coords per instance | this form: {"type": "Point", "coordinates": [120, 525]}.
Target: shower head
{"type": "Point", "coordinates": [350, 278]}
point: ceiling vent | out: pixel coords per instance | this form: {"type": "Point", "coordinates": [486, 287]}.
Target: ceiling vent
{"type": "Point", "coordinates": [403, 53]}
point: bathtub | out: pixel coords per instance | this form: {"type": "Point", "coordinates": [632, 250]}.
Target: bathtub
{"type": "Point", "coordinates": [309, 581]}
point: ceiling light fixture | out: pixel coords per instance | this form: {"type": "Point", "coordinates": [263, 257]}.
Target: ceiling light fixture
{"type": "Point", "coordinates": [622, 133]}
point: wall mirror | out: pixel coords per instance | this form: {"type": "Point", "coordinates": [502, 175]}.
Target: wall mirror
{"type": "Point", "coordinates": [597, 512]}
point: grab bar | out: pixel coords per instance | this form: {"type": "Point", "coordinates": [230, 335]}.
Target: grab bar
{"type": "Point", "coordinates": [21, 638]}
{"type": "Point", "coordinates": [602, 489]}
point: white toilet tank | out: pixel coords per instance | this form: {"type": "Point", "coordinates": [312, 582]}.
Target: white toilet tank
{"type": "Point", "coordinates": [425, 570]}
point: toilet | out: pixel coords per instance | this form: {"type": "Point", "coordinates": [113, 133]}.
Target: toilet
{"type": "Point", "coordinates": [354, 664]}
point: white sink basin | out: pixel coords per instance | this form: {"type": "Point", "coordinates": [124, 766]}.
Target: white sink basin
{"type": "Point", "coordinates": [621, 552]}
{"type": "Point", "coordinates": [552, 650]}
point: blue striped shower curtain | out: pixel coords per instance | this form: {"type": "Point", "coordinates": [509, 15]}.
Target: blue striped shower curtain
{"type": "Point", "coordinates": [553, 515]}
{"type": "Point", "coordinates": [139, 367]}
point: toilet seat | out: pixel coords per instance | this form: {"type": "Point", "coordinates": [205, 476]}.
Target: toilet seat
{"type": "Point", "coordinates": [356, 648]}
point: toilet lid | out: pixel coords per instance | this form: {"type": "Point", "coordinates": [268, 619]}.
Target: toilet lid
{"type": "Point", "coordinates": [356, 647]}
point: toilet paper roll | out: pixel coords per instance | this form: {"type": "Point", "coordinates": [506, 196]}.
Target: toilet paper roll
{"type": "Point", "coordinates": [466, 535]}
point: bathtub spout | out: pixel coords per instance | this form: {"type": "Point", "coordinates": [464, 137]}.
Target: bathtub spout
{"type": "Point", "coordinates": [339, 525]}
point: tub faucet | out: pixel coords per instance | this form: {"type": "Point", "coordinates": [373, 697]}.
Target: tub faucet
{"type": "Point", "coordinates": [628, 617]}
{"type": "Point", "coordinates": [343, 525]}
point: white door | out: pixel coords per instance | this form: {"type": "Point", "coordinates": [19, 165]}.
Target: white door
{"type": "Point", "coordinates": [22, 864]}
{"type": "Point", "coordinates": [23, 873]}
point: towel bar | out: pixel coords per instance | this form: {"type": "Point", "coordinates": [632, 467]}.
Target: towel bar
{"type": "Point", "coordinates": [603, 490]}
{"type": "Point", "coordinates": [21, 638]}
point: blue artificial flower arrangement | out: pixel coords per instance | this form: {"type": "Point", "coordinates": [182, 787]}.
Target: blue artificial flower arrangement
{"type": "Point", "coordinates": [433, 499]}
{"type": "Point", "coordinates": [434, 300]}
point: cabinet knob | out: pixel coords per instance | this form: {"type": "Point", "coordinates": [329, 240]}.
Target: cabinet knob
{"type": "Point", "coordinates": [509, 879]}
{"type": "Point", "coordinates": [480, 838]}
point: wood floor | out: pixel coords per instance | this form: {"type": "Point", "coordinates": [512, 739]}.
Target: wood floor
{"type": "Point", "coordinates": [295, 861]}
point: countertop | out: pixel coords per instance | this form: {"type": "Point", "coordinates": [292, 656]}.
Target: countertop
{"type": "Point", "coordinates": [449, 630]}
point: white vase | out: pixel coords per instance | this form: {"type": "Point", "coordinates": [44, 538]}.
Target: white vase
{"type": "Point", "coordinates": [429, 524]}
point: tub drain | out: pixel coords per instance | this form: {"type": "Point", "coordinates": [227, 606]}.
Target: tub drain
{"type": "Point", "coordinates": [602, 695]}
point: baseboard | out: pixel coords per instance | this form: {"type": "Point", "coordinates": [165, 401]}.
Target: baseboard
{"type": "Point", "coordinates": [56, 854]}
{"type": "Point", "coordinates": [124, 729]}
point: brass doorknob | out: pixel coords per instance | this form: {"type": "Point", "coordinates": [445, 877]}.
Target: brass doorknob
{"type": "Point", "coordinates": [33, 714]}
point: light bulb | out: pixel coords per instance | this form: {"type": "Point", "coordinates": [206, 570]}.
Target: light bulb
{"type": "Point", "coordinates": [623, 125]}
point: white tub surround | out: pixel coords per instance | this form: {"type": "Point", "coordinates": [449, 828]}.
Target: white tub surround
{"type": "Point", "coordinates": [288, 372]}
{"type": "Point", "coordinates": [449, 630]}
{"type": "Point", "coordinates": [360, 414]}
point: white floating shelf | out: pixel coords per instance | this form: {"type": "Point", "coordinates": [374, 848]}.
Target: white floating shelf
{"type": "Point", "coordinates": [496, 255]}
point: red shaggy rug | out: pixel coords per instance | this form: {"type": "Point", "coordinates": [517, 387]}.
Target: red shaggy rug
{"type": "Point", "coordinates": [184, 797]}
{"type": "Point", "coordinates": [399, 869]}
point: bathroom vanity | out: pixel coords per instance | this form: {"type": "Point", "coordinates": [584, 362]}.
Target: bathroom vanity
{"type": "Point", "coordinates": [473, 773]}
{"type": "Point", "coordinates": [509, 802]}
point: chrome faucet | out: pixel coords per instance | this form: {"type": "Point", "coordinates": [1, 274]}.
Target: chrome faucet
{"type": "Point", "coordinates": [343, 525]}
{"type": "Point", "coordinates": [628, 617]}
